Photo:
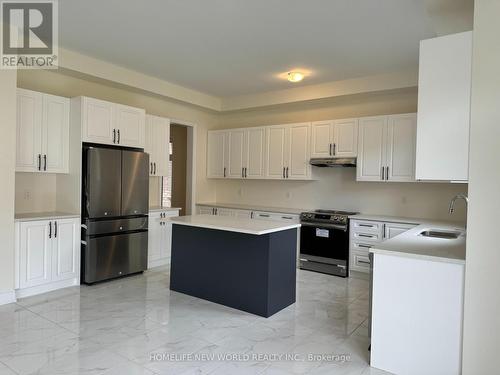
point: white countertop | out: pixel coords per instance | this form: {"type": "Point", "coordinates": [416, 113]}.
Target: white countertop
{"type": "Point", "coordinates": [159, 208]}
{"type": "Point", "coordinates": [232, 224]}
{"type": "Point", "coordinates": [412, 244]}
{"type": "Point", "coordinates": [283, 210]}
{"type": "Point", "coordinates": [52, 215]}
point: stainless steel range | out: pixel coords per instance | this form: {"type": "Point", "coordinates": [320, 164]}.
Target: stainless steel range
{"type": "Point", "coordinates": [324, 241]}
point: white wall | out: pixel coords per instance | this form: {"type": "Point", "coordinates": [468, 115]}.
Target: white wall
{"type": "Point", "coordinates": [35, 192]}
{"type": "Point", "coordinates": [7, 166]}
{"type": "Point", "coordinates": [337, 188]}
{"type": "Point", "coordinates": [482, 278]}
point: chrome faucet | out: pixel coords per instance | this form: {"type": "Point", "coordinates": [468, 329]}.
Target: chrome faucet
{"type": "Point", "coordinates": [458, 196]}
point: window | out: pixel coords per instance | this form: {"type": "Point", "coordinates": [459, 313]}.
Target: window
{"type": "Point", "coordinates": [167, 181]}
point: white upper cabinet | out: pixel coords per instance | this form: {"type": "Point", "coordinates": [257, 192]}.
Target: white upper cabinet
{"type": "Point", "coordinates": [216, 150]}
{"type": "Point", "coordinates": [297, 165]}
{"type": "Point", "coordinates": [42, 139]}
{"type": "Point", "coordinates": [130, 124]}
{"type": "Point", "coordinates": [235, 153]}
{"type": "Point", "coordinates": [321, 139]}
{"type": "Point", "coordinates": [158, 144]}
{"type": "Point", "coordinates": [275, 151]}
{"type": "Point", "coordinates": [55, 134]}
{"type": "Point", "coordinates": [98, 123]}
{"type": "Point", "coordinates": [401, 133]}
{"type": "Point", "coordinates": [444, 90]}
{"type": "Point", "coordinates": [371, 148]}
{"type": "Point", "coordinates": [255, 152]}
{"type": "Point", "coordinates": [112, 124]}
{"type": "Point", "coordinates": [387, 148]}
{"type": "Point", "coordinates": [345, 138]}
{"type": "Point", "coordinates": [287, 151]}
{"type": "Point", "coordinates": [338, 138]}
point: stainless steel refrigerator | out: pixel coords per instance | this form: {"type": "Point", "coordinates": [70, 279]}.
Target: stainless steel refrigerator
{"type": "Point", "coordinates": [115, 205]}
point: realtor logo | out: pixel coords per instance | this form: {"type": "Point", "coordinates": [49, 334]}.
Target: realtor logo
{"type": "Point", "coordinates": [29, 34]}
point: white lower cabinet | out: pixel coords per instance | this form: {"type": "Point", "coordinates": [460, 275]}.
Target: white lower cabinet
{"type": "Point", "coordinates": [47, 255]}
{"type": "Point", "coordinates": [366, 233]}
{"type": "Point", "coordinates": [160, 238]}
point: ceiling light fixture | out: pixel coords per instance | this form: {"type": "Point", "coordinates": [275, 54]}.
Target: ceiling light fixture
{"type": "Point", "coordinates": [295, 76]}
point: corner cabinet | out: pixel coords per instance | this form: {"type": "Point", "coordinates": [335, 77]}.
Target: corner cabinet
{"type": "Point", "coordinates": [47, 255]}
{"type": "Point", "coordinates": [42, 136]}
{"type": "Point", "coordinates": [158, 144]}
{"type": "Point", "coordinates": [386, 148]}
{"type": "Point", "coordinates": [160, 238]}
{"type": "Point", "coordinates": [444, 91]}
{"type": "Point", "coordinates": [335, 138]}
{"type": "Point", "coordinates": [109, 123]}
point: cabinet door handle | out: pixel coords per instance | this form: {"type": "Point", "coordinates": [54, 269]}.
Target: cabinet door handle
{"type": "Point", "coordinates": [44, 162]}
{"type": "Point", "coordinates": [150, 168]}
{"type": "Point", "coordinates": [330, 149]}
{"type": "Point", "coordinates": [242, 172]}
{"type": "Point", "coordinates": [224, 172]}
{"type": "Point", "coordinates": [118, 138]}
{"type": "Point", "coordinates": [39, 162]}
{"type": "Point", "coordinates": [264, 215]}
{"type": "Point", "coordinates": [387, 173]}
{"type": "Point", "coordinates": [334, 149]}
{"type": "Point", "coordinates": [114, 135]}
{"type": "Point", "coordinates": [245, 172]}
{"type": "Point", "coordinates": [50, 229]}
{"type": "Point", "coordinates": [154, 164]}
{"type": "Point", "coordinates": [283, 172]}
{"type": "Point", "coordinates": [55, 229]}
{"type": "Point", "coordinates": [251, 215]}
{"type": "Point", "coordinates": [382, 172]}
{"type": "Point", "coordinates": [286, 172]}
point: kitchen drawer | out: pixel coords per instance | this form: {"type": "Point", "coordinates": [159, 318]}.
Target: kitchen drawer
{"type": "Point", "coordinates": [366, 237]}
{"type": "Point", "coordinates": [261, 215]}
{"type": "Point", "coordinates": [360, 261]}
{"type": "Point", "coordinates": [366, 226]}
{"type": "Point", "coordinates": [360, 247]}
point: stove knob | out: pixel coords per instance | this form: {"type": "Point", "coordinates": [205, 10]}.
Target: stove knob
{"type": "Point", "coordinates": [335, 218]}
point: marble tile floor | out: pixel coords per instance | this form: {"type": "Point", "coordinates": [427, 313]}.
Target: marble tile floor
{"type": "Point", "coordinates": [136, 325]}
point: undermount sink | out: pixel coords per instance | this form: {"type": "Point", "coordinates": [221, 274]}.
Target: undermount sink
{"type": "Point", "coordinates": [438, 233]}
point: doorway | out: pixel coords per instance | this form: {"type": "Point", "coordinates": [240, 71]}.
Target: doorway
{"type": "Point", "coordinates": [176, 188]}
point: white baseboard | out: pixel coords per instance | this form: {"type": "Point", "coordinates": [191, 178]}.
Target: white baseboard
{"type": "Point", "coordinates": [158, 262]}
{"type": "Point", "coordinates": [28, 292]}
{"type": "Point", "coordinates": [7, 297]}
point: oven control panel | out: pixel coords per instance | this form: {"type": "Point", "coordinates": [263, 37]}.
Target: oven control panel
{"type": "Point", "coordinates": [324, 218]}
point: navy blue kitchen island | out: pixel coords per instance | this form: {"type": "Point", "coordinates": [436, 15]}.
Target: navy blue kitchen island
{"type": "Point", "coordinates": [245, 264]}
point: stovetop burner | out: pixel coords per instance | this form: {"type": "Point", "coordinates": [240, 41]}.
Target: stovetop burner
{"type": "Point", "coordinates": [327, 216]}
{"type": "Point", "coordinates": [336, 212]}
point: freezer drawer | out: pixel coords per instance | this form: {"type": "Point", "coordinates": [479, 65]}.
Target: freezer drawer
{"type": "Point", "coordinates": [113, 256]}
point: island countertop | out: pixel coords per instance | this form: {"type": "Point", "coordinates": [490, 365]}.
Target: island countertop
{"type": "Point", "coordinates": [232, 224]}
{"type": "Point", "coordinates": [412, 244]}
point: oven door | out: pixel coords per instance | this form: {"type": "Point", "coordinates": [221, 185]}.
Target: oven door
{"type": "Point", "coordinates": [326, 243]}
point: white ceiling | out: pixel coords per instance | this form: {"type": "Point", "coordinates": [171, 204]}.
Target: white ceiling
{"type": "Point", "coordinates": [239, 47]}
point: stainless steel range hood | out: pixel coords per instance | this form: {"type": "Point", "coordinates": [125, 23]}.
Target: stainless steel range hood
{"type": "Point", "coordinates": [333, 162]}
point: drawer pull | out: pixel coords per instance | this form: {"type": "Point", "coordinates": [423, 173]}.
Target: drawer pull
{"type": "Point", "coordinates": [364, 246]}
{"type": "Point", "coordinates": [363, 262]}
{"type": "Point", "coordinates": [366, 235]}
{"type": "Point", "coordinates": [367, 225]}
{"type": "Point", "coordinates": [287, 217]}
